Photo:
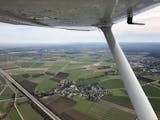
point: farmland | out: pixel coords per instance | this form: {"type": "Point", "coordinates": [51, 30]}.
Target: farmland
{"type": "Point", "coordinates": [42, 70]}
{"type": "Point", "coordinates": [30, 114]}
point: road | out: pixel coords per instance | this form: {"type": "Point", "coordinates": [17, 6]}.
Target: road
{"type": "Point", "coordinates": [15, 98]}
{"type": "Point", "coordinates": [31, 97]}
{"type": "Point", "coordinates": [3, 90]}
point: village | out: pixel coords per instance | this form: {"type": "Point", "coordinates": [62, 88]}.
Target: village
{"type": "Point", "coordinates": [68, 88]}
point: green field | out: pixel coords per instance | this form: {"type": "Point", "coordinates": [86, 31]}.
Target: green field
{"type": "Point", "coordinates": [113, 83]}
{"type": "Point", "coordinates": [58, 65]}
{"type": "Point", "coordinates": [72, 66]}
{"type": "Point", "coordinates": [31, 64]}
{"type": "Point", "coordinates": [13, 115]}
{"type": "Point", "coordinates": [40, 79]}
{"type": "Point", "coordinates": [28, 112]}
{"type": "Point", "coordinates": [1, 87]}
{"type": "Point", "coordinates": [120, 100]}
{"type": "Point", "coordinates": [7, 94]}
{"type": "Point", "coordinates": [6, 66]}
{"type": "Point", "coordinates": [151, 91]}
{"type": "Point", "coordinates": [84, 74]}
{"type": "Point", "coordinates": [155, 102]}
{"type": "Point", "coordinates": [6, 58]}
{"type": "Point", "coordinates": [108, 113]}
{"type": "Point", "coordinates": [99, 111]}
{"type": "Point", "coordinates": [154, 77]}
{"type": "Point", "coordinates": [46, 85]}
{"type": "Point", "coordinates": [118, 92]}
{"type": "Point", "coordinates": [2, 81]}
{"type": "Point", "coordinates": [4, 105]}
{"type": "Point", "coordinates": [18, 77]}
{"type": "Point", "coordinates": [82, 105]}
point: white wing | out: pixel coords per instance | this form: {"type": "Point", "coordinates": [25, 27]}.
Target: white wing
{"type": "Point", "coordinates": [68, 12]}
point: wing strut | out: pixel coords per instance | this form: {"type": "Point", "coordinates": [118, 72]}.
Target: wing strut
{"type": "Point", "coordinates": [137, 96]}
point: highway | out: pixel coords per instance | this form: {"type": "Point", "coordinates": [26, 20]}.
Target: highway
{"type": "Point", "coordinates": [31, 97]}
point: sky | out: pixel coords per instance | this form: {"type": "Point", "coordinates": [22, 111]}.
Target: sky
{"type": "Point", "coordinates": [150, 32]}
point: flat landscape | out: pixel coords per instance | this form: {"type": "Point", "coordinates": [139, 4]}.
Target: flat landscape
{"type": "Point", "coordinates": [76, 81]}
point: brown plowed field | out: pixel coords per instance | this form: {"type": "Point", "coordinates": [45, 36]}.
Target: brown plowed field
{"type": "Point", "coordinates": [63, 107]}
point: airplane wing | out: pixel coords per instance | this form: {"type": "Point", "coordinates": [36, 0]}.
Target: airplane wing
{"type": "Point", "coordinates": [69, 12]}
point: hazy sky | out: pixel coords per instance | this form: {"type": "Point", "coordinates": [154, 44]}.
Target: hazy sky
{"type": "Point", "coordinates": [123, 32]}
